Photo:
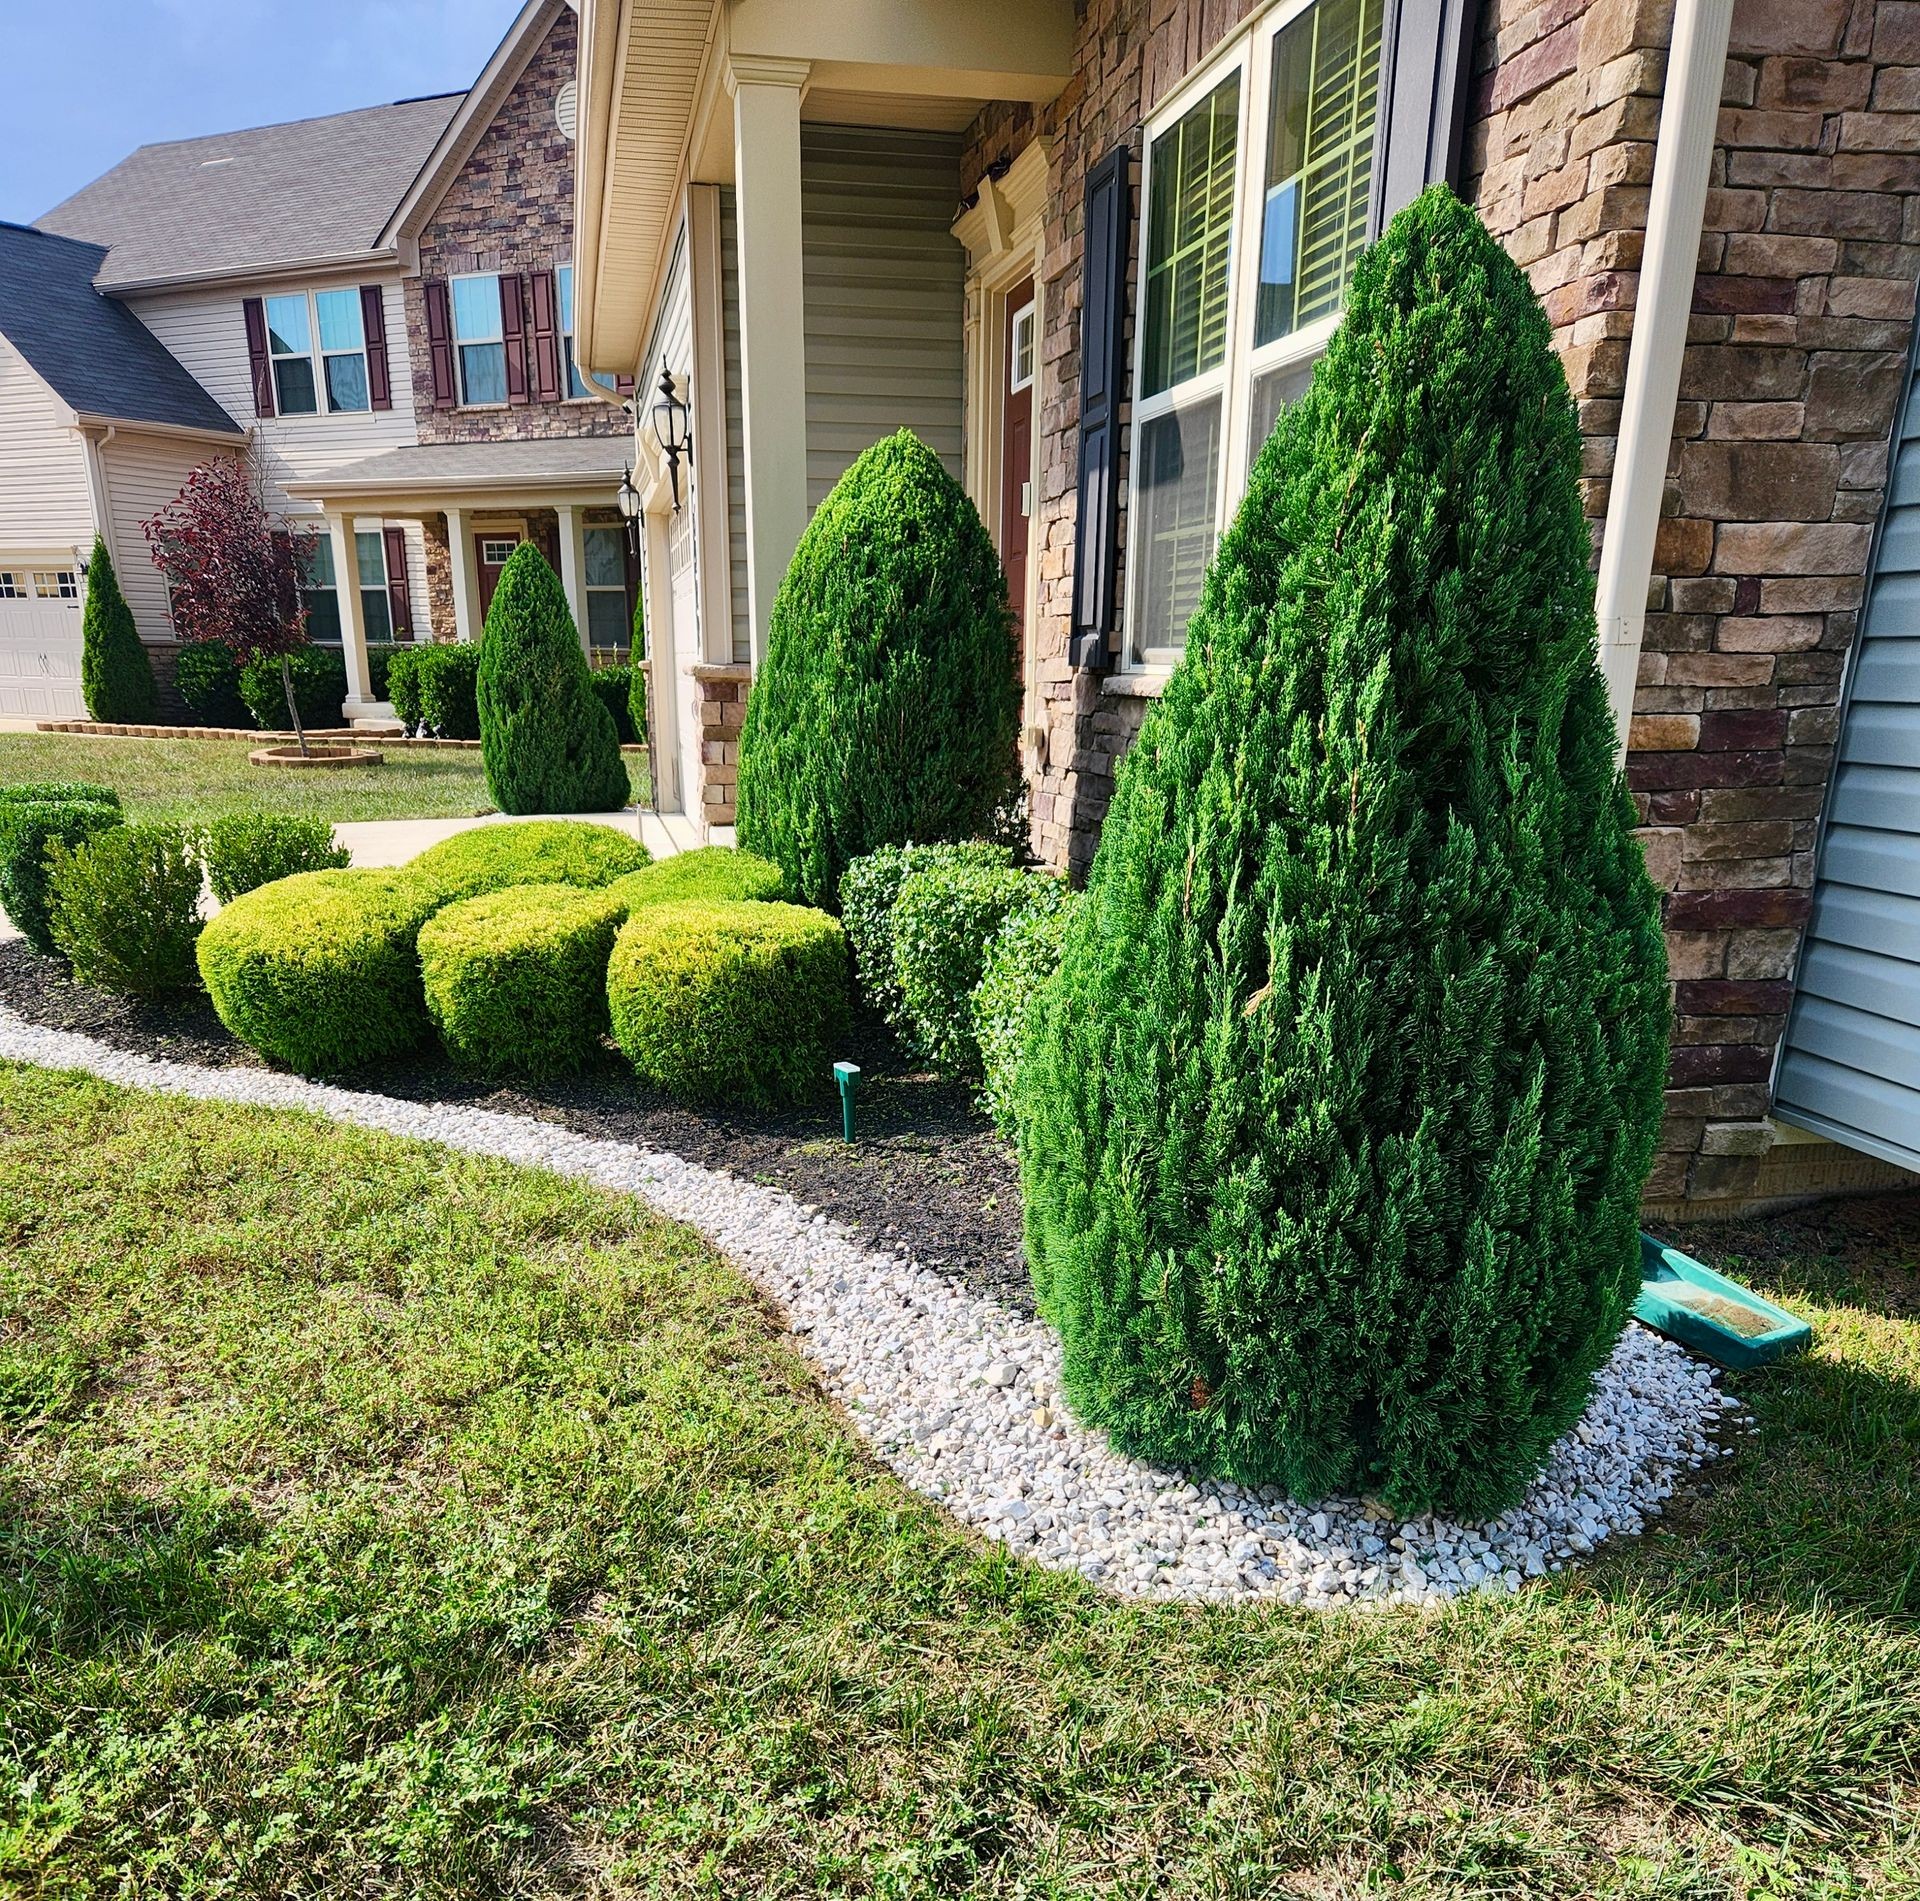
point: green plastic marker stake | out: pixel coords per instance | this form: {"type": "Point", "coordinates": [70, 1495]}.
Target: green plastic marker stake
{"type": "Point", "coordinates": [847, 1075]}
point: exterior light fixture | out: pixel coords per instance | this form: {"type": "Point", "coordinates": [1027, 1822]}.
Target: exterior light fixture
{"type": "Point", "coordinates": [628, 497]}
{"type": "Point", "coordinates": [671, 418]}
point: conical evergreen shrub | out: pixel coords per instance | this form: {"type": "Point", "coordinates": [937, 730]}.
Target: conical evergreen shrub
{"type": "Point", "coordinates": [116, 677]}
{"type": "Point", "coordinates": [888, 707]}
{"type": "Point", "coordinates": [546, 741]}
{"type": "Point", "coordinates": [1335, 1120]}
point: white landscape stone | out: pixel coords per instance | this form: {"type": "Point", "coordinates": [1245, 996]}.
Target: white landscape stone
{"type": "Point", "coordinates": [960, 1395]}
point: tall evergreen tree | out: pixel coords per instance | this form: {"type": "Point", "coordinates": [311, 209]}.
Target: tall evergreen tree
{"type": "Point", "coordinates": [888, 708]}
{"type": "Point", "coordinates": [116, 677]}
{"type": "Point", "coordinates": [1335, 1122]}
{"type": "Point", "coordinates": [547, 742]}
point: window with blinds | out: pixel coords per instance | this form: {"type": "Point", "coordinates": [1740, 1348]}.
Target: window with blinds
{"type": "Point", "coordinates": [1189, 240]}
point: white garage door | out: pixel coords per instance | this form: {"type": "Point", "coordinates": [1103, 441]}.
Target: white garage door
{"type": "Point", "coordinates": [40, 641]}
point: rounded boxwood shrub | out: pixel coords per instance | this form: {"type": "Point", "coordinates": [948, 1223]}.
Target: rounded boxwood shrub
{"type": "Point", "coordinates": [116, 675]}
{"type": "Point", "coordinates": [714, 872]}
{"type": "Point", "coordinates": [729, 1003]}
{"type": "Point", "coordinates": [867, 893]}
{"type": "Point", "coordinates": [433, 689]}
{"type": "Point", "coordinates": [888, 705]}
{"type": "Point", "coordinates": [319, 687]}
{"type": "Point", "coordinates": [943, 921]}
{"type": "Point", "coordinates": [548, 743]}
{"type": "Point", "coordinates": [516, 980]}
{"type": "Point", "coordinates": [1019, 964]}
{"type": "Point", "coordinates": [245, 850]}
{"type": "Point", "coordinates": [207, 678]}
{"type": "Point", "coordinates": [1335, 1121]}
{"type": "Point", "coordinates": [28, 827]}
{"type": "Point", "coordinates": [548, 851]}
{"type": "Point", "coordinates": [321, 971]}
{"type": "Point", "coordinates": [59, 792]}
{"type": "Point", "coordinates": [124, 908]}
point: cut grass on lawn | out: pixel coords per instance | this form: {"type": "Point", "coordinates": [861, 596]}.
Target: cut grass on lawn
{"type": "Point", "coordinates": [190, 781]}
{"type": "Point", "coordinates": [376, 1520]}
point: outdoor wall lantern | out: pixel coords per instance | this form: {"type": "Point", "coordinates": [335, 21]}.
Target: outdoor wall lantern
{"type": "Point", "coordinates": [671, 418]}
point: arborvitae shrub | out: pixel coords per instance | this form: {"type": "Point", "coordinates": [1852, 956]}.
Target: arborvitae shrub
{"type": "Point", "coordinates": [207, 678]}
{"type": "Point", "coordinates": [27, 828]}
{"type": "Point", "coordinates": [245, 850]}
{"type": "Point", "coordinates": [1335, 1121]}
{"type": "Point", "coordinates": [116, 677]}
{"type": "Point", "coordinates": [124, 908]}
{"type": "Point", "coordinates": [548, 743]}
{"type": "Point", "coordinates": [868, 890]}
{"type": "Point", "coordinates": [888, 705]}
{"type": "Point", "coordinates": [1019, 964]}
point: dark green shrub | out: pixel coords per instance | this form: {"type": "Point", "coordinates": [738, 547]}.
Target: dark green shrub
{"type": "Point", "coordinates": [248, 849]}
{"type": "Point", "coordinates": [207, 678]}
{"type": "Point", "coordinates": [433, 688]}
{"type": "Point", "coordinates": [1334, 1123]}
{"type": "Point", "coordinates": [713, 874]}
{"type": "Point", "coordinates": [319, 687]}
{"type": "Point", "coordinates": [943, 921]}
{"type": "Point", "coordinates": [28, 827]}
{"type": "Point", "coordinates": [888, 705]}
{"type": "Point", "coordinates": [516, 980]}
{"type": "Point", "coordinates": [614, 685]}
{"type": "Point", "coordinates": [403, 686]}
{"type": "Point", "coordinates": [550, 851]}
{"type": "Point", "coordinates": [1019, 964]}
{"type": "Point", "coordinates": [729, 1003]}
{"type": "Point", "coordinates": [124, 908]}
{"type": "Point", "coordinates": [637, 692]}
{"type": "Point", "coordinates": [867, 893]}
{"type": "Point", "coordinates": [321, 971]}
{"type": "Point", "coordinates": [548, 742]}
{"type": "Point", "coordinates": [59, 792]}
{"type": "Point", "coordinates": [116, 676]}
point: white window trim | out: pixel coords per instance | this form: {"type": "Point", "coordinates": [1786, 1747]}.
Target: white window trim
{"type": "Point", "coordinates": [316, 356]}
{"type": "Point", "coordinates": [563, 334]}
{"type": "Point", "coordinates": [460, 342]}
{"type": "Point", "coordinates": [1250, 51]}
{"type": "Point", "coordinates": [1026, 318]}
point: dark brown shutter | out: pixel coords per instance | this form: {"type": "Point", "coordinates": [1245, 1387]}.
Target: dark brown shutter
{"type": "Point", "coordinates": [440, 342]}
{"type": "Point", "coordinates": [373, 325]}
{"type": "Point", "coordinates": [259, 364]}
{"type": "Point", "coordinates": [1103, 324]}
{"type": "Point", "coordinates": [1424, 61]}
{"type": "Point", "coordinates": [513, 327]}
{"type": "Point", "coordinates": [399, 596]}
{"type": "Point", "coordinates": [546, 339]}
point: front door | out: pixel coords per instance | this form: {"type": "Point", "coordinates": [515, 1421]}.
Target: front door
{"type": "Point", "coordinates": [492, 549]}
{"type": "Point", "coordinates": [1016, 449]}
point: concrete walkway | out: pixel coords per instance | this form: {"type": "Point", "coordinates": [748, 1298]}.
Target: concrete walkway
{"type": "Point", "coordinates": [392, 841]}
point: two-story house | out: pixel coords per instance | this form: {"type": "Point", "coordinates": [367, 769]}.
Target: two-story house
{"type": "Point", "coordinates": [376, 308]}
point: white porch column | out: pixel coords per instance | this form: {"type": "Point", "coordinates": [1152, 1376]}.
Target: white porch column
{"type": "Point", "coordinates": [573, 566]}
{"type": "Point", "coordinates": [773, 358]}
{"type": "Point", "coordinates": [466, 583]}
{"type": "Point", "coordinates": [353, 622]}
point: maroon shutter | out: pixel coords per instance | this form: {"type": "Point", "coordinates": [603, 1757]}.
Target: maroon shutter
{"type": "Point", "coordinates": [624, 384]}
{"type": "Point", "coordinates": [259, 364]}
{"type": "Point", "coordinates": [1103, 357]}
{"type": "Point", "coordinates": [440, 342]}
{"type": "Point", "coordinates": [546, 339]}
{"type": "Point", "coordinates": [513, 327]}
{"type": "Point", "coordinates": [373, 324]}
{"type": "Point", "coordinates": [399, 599]}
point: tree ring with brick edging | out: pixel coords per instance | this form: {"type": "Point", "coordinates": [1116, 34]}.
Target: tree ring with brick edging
{"type": "Point", "coordinates": [316, 755]}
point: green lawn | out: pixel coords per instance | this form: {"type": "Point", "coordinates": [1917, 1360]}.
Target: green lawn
{"type": "Point", "coordinates": [375, 1521]}
{"type": "Point", "coordinates": [192, 780]}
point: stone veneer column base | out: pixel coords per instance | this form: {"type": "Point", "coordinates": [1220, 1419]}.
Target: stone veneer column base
{"type": "Point", "coordinates": [722, 712]}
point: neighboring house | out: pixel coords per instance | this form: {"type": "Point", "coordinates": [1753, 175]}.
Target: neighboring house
{"type": "Point", "coordinates": [1153, 207]}
{"type": "Point", "coordinates": [381, 301]}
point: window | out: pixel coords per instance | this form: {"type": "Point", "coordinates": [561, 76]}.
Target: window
{"type": "Point", "coordinates": [572, 383]}
{"type": "Point", "coordinates": [343, 349]}
{"type": "Point", "coordinates": [1264, 161]}
{"type": "Point", "coordinates": [10, 588]}
{"type": "Point", "coordinates": [318, 589]}
{"type": "Point", "coordinates": [376, 605]}
{"type": "Point", "coordinates": [479, 339]}
{"type": "Point", "coordinates": [608, 624]}
{"type": "Point", "coordinates": [293, 322]}
{"type": "Point", "coordinates": [56, 584]}
{"type": "Point", "coordinates": [1020, 368]}
{"type": "Point", "coordinates": [290, 348]}
{"type": "Point", "coordinates": [497, 550]}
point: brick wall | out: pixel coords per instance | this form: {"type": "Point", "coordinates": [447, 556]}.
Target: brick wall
{"type": "Point", "coordinates": [510, 208]}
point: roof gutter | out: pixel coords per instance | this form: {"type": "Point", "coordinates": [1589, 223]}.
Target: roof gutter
{"type": "Point", "coordinates": [1683, 152]}
{"type": "Point", "coordinates": [235, 437]}
{"type": "Point", "coordinates": [256, 273]}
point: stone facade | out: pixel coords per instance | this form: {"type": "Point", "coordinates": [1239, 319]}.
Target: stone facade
{"type": "Point", "coordinates": [723, 711]}
{"type": "Point", "coordinates": [1803, 311]}
{"type": "Point", "coordinates": [509, 209]}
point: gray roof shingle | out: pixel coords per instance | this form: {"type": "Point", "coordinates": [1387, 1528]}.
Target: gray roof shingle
{"type": "Point", "coordinates": [274, 194]}
{"type": "Point", "coordinates": [96, 355]}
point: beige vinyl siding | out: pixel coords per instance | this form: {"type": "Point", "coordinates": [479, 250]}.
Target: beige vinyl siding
{"type": "Point", "coordinates": [885, 281]}
{"type": "Point", "coordinates": [142, 474]}
{"type": "Point", "coordinates": [206, 330]}
{"type": "Point", "coordinates": [44, 502]}
{"type": "Point", "coordinates": [736, 428]}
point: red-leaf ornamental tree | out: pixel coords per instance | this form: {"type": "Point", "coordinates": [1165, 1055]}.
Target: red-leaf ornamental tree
{"type": "Point", "coordinates": [234, 572]}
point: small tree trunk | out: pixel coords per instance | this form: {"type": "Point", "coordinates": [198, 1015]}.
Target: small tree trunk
{"type": "Point", "coordinates": [293, 705]}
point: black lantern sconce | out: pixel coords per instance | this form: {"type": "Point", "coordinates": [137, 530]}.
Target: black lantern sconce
{"type": "Point", "coordinates": [671, 429]}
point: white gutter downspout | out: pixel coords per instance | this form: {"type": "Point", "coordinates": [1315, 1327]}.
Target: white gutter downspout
{"type": "Point", "coordinates": [1676, 211]}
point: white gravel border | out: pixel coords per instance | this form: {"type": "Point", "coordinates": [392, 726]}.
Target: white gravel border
{"type": "Point", "coordinates": [959, 1395]}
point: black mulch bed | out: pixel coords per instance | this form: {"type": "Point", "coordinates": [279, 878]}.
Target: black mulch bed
{"type": "Point", "coordinates": [927, 1177]}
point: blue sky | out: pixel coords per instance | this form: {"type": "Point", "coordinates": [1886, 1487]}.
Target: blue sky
{"type": "Point", "coordinates": [91, 79]}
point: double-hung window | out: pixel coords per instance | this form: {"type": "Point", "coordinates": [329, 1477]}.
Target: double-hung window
{"type": "Point", "coordinates": [339, 365]}
{"type": "Point", "coordinates": [479, 340]}
{"type": "Point", "coordinates": [290, 348]}
{"type": "Point", "coordinates": [572, 383]}
{"type": "Point", "coordinates": [606, 578]}
{"type": "Point", "coordinates": [1255, 201]}
{"type": "Point", "coordinates": [321, 585]}
{"type": "Point", "coordinates": [318, 588]}
{"type": "Point", "coordinates": [343, 348]}
{"type": "Point", "coordinates": [376, 605]}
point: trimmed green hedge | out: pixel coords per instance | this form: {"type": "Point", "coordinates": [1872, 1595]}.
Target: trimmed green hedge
{"type": "Point", "coordinates": [540, 851]}
{"type": "Point", "coordinates": [321, 971]}
{"type": "Point", "coordinates": [867, 894]}
{"type": "Point", "coordinates": [319, 687]}
{"type": "Point", "coordinates": [207, 678]}
{"type": "Point", "coordinates": [713, 874]}
{"type": "Point", "coordinates": [516, 980]}
{"type": "Point", "coordinates": [124, 908]}
{"type": "Point", "coordinates": [729, 1003]}
{"type": "Point", "coordinates": [434, 688]}
{"type": "Point", "coordinates": [59, 792]}
{"type": "Point", "coordinates": [28, 827]}
{"type": "Point", "coordinates": [1019, 963]}
{"type": "Point", "coordinates": [245, 850]}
